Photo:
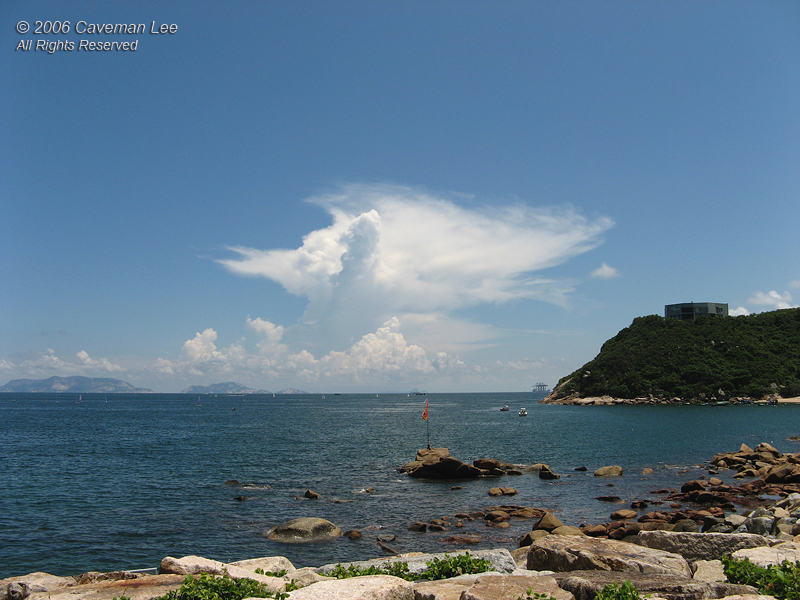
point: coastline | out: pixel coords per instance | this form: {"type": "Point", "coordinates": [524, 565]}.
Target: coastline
{"type": "Point", "coordinates": [574, 400]}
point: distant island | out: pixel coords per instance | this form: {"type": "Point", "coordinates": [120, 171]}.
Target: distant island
{"type": "Point", "coordinates": [74, 385]}
{"type": "Point", "coordinates": [712, 359]}
{"type": "Point", "coordinates": [228, 387]}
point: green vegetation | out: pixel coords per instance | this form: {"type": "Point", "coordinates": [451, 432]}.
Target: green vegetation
{"type": "Point", "coordinates": [450, 566]}
{"type": "Point", "coordinates": [453, 566]}
{"type": "Point", "coordinates": [208, 587]}
{"type": "Point", "coordinates": [781, 581]}
{"type": "Point", "coordinates": [742, 356]}
{"type": "Point", "coordinates": [615, 591]}
{"type": "Point", "coordinates": [398, 569]}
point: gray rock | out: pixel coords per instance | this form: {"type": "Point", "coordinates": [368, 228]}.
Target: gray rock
{"type": "Point", "coordinates": [708, 570]}
{"type": "Point", "coordinates": [192, 565]}
{"type": "Point", "coordinates": [514, 586]}
{"type": "Point", "coordinates": [305, 529]}
{"type": "Point", "coordinates": [759, 525]}
{"type": "Point", "coordinates": [699, 546]}
{"type": "Point", "coordinates": [148, 587]}
{"type": "Point", "coordinates": [775, 555]}
{"type": "Point", "coordinates": [500, 559]}
{"type": "Point", "coordinates": [373, 587]}
{"type": "Point", "coordinates": [584, 585]}
{"type": "Point", "coordinates": [610, 471]}
{"type": "Point", "coordinates": [571, 553]}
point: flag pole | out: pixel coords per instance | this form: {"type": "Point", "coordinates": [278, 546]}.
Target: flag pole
{"type": "Point", "coordinates": [427, 423]}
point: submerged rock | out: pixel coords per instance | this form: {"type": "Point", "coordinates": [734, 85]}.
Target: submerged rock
{"type": "Point", "coordinates": [305, 529]}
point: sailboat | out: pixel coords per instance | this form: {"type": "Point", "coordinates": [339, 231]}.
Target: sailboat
{"type": "Point", "coordinates": [198, 401]}
{"type": "Point", "coordinates": [80, 399]}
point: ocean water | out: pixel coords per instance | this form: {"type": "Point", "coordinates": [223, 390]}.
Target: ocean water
{"type": "Point", "coordinates": [121, 481]}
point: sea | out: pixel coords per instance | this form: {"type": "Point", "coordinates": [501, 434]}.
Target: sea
{"type": "Point", "coordinates": [108, 482]}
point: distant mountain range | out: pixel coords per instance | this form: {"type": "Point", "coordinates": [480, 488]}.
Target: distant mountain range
{"type": "Point", "coordinates": [107, 385]}
{"type": "Point", "coordinates": [228, 387]}
{"type": "Point", "coordinates": [75, 385]}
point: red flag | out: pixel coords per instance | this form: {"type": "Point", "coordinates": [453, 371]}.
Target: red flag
{"type": "Point", "coordinates": [425, 414]}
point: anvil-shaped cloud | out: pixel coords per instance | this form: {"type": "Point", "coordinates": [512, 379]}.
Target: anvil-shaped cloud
{"type": "Point", "coordinates": [395, 250]}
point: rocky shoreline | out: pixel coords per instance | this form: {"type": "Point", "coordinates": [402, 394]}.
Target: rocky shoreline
{"type": "Point", "coordinates": [671, 551]}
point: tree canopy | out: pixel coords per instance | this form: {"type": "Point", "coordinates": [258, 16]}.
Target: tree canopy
{"type": "Point", "coordinates": [746, 356]}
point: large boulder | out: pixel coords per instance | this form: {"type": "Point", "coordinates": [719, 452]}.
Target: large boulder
{"type": "Point", "coordinates": [445, 468]}
{"type": "Point", "coordinates": [305, 529]}
{"type": "Point", "coordinates": [585, 585]}
{"type": "Point", "coordinates": [494, 587]}
{"type": "Point", "coordinates": [148, 587]}
{"type": "Point", "coordinates": [571, 553]}
{"type": "Point", "coordinates": [610, 471]}
{"type": "Point", "coordinates": [373, 587]}
{"type": "Point", "coordinates": [500, 561]}
{"type": "Point", "coordinates": [700, 546]}
{"type": "Point", "coordinates": [766, 556]}
{"type": "Point", "coordinates": [193, 565]}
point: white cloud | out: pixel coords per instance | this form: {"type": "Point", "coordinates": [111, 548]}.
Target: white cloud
{"type": "Point", "coordinates": [795, 284]}
{"type": "Point", "coordinates": [605, 272]}
{"type": "Point", "coordinates": [738, 312]}
{"type": "Point", "coordinates": [394, 250]}
{"type": "Point", "coordinates": [102, 364]}
{"type": "Point", "coordinates": [47, 364]}
{"type": "Point", "coordinates": [772, 299]}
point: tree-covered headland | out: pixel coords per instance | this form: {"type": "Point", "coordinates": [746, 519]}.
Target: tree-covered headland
{"type": "Point", "coordinates": [753, 356]}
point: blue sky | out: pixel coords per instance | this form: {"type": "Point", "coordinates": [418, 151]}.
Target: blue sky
{"type": "Point", "coordinates": [383, 196]}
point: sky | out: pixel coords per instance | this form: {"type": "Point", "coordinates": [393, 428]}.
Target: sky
{"type": "Point", "coordinates": [360, 196]}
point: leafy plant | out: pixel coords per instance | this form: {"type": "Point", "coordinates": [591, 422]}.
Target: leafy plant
{"type": "Point", "coordinates": [453, 566]}
{"type": "Point", "coordinates": [781, 581]}
{"type": "Point", "coordinates": [450, 566]}
{"type": "Point", "coordinates": [280, 573]}
{"type": "Point", "coordinates": [615, 591]}
{"type": "Point", "coordinates": [208, 587]}
{"type": "Point", "coordinates": [398, 569]}
{"type": "Point", "coordinates": [531, 595]}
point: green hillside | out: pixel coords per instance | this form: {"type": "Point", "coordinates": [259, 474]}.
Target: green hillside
{"type": "Point", "coordinates": [743, 356]}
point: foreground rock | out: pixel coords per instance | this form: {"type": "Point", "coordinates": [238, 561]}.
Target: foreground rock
{"type": "Point", "coordinates": [374, 587]}
{"type": "Point", "coordinates": [571, 553]}
{"type": "Point", "coordinates": [500, 560]}
{"type": "Point", "coordinates": [194, 565]}
{"type": "Point", "coordinates": [584, 585]}
{"type": "Point", "coordinates": [305, 529]}
{"type": "Point", "coordinates": [700, 546]}
{"type": "Point", "coordinates": [775, 555]}
{"type": "Point", "coordinates": [146, 587]}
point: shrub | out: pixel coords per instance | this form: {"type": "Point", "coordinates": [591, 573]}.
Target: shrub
{"type": "Point", "coordinates": [209, 587]}
{"type": "Point", "coordinates": [781, 581]}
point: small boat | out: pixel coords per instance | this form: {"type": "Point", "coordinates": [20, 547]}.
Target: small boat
{"type": "Point", "coordinates": [80, 399]}
{"type": "Point", "coordinates": [505, 408]}
{"type": "Point", "coordinates": [523, 412]}
{"type": "Point", "coordinates": [198, 401]}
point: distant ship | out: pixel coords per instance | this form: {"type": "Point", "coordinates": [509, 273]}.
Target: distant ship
{"type": "Point", "coordinates": [540, 387]}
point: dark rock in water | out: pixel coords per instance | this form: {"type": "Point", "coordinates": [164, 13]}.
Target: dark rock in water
{"type": "Point", "coordinates": [547, 473]}
{"type": "Point", "coordinates": [608, 498]}
{"type": "Point", "coordinates": [548, 522]}
{"type": "Point", "coordinates": [436, 466]}
{"type": "Point", "coordinates": [241, 498]}
{"type": "Point", "coordinates": [581, 469]}
{"type": "Point", "coordinates": [386, 537]}
{"type": "Point", "coordinates": [232, 482]}
{"type": "Point", "coordinates": [418, 526]}
{"type": "Point", "coordinates": [311, 495]}
{"type": "Point", "coordinates": [353, 534]}
{"type": "Point", "coordinates": [305, 529]}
